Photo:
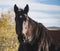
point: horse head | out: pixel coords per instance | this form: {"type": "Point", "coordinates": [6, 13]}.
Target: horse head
{"type": "Point", "coordinates": [23, 24]}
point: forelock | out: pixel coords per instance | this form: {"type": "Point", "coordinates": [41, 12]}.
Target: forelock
{"type": "Point", "coordinates": [21, 10]}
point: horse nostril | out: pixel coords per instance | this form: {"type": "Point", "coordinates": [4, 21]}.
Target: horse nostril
{"type": "Point", "coordinates": [24, 37]}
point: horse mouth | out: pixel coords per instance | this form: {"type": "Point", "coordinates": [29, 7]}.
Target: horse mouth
{"type": "Point", "coordinates": [27, 39]}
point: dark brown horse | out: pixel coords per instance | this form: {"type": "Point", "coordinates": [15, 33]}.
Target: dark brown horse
{"type": "Point", "coordinates": [31, 35]}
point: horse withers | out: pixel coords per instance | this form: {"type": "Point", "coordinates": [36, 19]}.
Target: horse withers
{"type": "Point", "coordinates": [31, 35]}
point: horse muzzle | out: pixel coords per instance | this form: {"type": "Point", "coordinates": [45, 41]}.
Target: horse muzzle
{"type": "Point", "coordinates": [27, 39]}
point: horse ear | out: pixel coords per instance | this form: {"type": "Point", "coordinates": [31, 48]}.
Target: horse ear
{"type": "Point", "coordinates": [15, 8]}
{"type": "Point", "coordinates": [26, 9]}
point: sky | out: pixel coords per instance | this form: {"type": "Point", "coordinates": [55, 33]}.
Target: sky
{"type": "Point", "coordinates": [44, 11]}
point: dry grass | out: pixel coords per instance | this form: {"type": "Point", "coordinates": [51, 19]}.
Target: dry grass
{"type": "Point", "coordinates": [8, 37]}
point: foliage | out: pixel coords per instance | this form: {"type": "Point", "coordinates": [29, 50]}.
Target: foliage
{"type": "Point", "coordinates": [8, 37]}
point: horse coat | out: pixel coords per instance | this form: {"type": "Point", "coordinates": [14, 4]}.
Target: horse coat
{"type": "Point", "coordinates": [32, 36]}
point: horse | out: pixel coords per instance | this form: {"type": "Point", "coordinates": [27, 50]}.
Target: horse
{"type": "Point", "coordinates": [32, 35]}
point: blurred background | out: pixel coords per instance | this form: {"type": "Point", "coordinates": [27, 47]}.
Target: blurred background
{"type": "Point", "coordinates": [44, 11]}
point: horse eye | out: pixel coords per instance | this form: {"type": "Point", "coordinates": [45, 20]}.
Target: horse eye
{"type": "Point", "coordinates": [21, 16]}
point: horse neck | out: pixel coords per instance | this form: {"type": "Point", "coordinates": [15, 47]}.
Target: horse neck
{"type": "Point", "coordinates": [35, 30]}
{"type": "Point", "coordinates": [35, 27]}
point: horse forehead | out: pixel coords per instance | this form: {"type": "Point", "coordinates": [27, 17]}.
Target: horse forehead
{"type": "Point", "coordinates": [20, 9]}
